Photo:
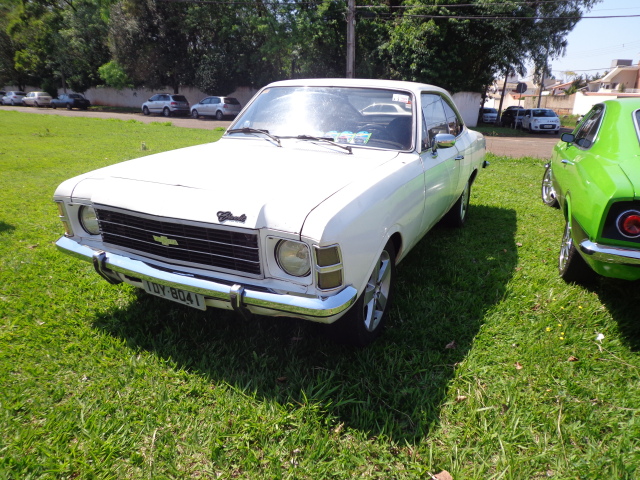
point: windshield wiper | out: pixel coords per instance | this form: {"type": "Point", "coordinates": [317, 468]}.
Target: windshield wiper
{"type": "Point", "coordinates": [328, 140]}
{"type": "Point", "coordinates": [249, 130]}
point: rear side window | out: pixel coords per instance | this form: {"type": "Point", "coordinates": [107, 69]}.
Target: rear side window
{"type": "Point", "coordinates": [179, 98]}
{"type": "Point", "coordinates": [231, 101]}
{"type": "Point", "coordinates": [588, 130]}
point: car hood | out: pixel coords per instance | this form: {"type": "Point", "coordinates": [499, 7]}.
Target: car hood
{"type": "Point", "coordinates": [250, 182]}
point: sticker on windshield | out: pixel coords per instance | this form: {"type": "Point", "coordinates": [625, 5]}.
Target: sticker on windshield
{"type": "Point", "coordinates": [400, 98]}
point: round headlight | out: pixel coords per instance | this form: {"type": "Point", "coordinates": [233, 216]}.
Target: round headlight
{"type": "Point", "coordinates": [293, 258]}
{"type": "Point", "coordinates": [89, 221]}
{"type": "Point", "coordinates": [629, 224]}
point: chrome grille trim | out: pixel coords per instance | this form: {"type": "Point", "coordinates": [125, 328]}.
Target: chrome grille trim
{"type": "Point", "coordinates": [181, 242]}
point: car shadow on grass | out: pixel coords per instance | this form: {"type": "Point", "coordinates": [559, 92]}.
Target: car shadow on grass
{"type": "Point", "coordinates": [621, 299]}
{"type": "Point", "coordinates": [395, 387]}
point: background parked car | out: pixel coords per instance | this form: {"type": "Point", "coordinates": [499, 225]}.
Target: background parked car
{"type": "Point", "coordinates": [218, 107]}
{"type": "Point", "coordinates": [594, 178]}
{"type": "Point", "coordinates": [37, 99]}
{"type": "Point", "coordinates": [70, 100]}
{"type": "Point", "coordinates": [488, 115]}
{"type": "Point", "coordinates": [541, 120]}
{"type": "Point", "coordinates": [13, 98]}
{"type": "Point", "coordinates": [167, 104]}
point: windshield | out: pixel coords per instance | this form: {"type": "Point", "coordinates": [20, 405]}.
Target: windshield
{"type": "Point", "coordinates": [543, 113]}
{"type": "Point", "coordinates": [358, 116]}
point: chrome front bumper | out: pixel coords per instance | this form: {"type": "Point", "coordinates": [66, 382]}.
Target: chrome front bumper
{"type": "Point", "coordinates": [608, 254]}
{"type": "Point", "coordinates": [117, 268]}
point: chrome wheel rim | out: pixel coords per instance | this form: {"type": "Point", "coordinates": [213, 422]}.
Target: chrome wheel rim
{"type": "Point", "coordinates": [464, 202]}
{"type": "Point", "coordinates": [376, 293]}
{"type": "Point", "coordinates": [548, 192]}
{"type": "Point", "coordinates": [565, 247]}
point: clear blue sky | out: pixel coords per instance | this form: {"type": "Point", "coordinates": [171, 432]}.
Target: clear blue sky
{"type": "Point", "coordinates": [595, 42]}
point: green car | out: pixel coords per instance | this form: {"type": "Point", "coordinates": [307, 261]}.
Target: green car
{"type": "Point", "coordinates": [594, 178]}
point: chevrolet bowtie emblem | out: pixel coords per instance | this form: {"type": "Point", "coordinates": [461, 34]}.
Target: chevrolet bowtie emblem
{"type": "Point", "coordinates": [165, 241]}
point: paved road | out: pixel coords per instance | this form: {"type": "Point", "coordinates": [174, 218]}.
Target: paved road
{"type": "Point", "coordinates": [531, 145]}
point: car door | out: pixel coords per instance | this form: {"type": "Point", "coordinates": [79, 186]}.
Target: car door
{"type": "Point", "coordinates": [204, 106]}
{"type": "Point", "coordinates": [441, 169]}
{"type": "Point", "coordinates": [155, 103]}
{"type": "Point", "coordinates": [567, 161]}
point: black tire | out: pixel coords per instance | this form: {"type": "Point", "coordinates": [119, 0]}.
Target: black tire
{"type": "Point", "coordinates": [195, 114]}
{"type": "Point", "coordinates": [571, 266]}
{"type": "Point", "coordinates": [35, 104]}
{"type": "Point", "coordinates": [145, 110]}
{"type": "Point", "coordinates": [54, 106]}
{"type": "Point", "coordinates": [548, 193]}
{"type": "Point", "coordinates": [166, 112]}
{"type": "Point", "coordinates": [457, 215]}
{"type": "Point", "coordinates": [69, 107]}
{"type": "Point", "coordinates": [219, 115]}
{"type": "Point", "coordinates": [366, 319]}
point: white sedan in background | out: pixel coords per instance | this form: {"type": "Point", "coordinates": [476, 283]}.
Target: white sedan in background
{"type": "Point", "coordinates": [303, 208]}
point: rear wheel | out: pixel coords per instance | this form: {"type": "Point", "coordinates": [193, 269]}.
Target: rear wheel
{"type": "Point", "coordinates": [68, 106]}
{"type": "Point", "coordinates": [571, 265]}
{"type": "Point", "coordinates": [366, 319]}
{"type": "Point", "coordinates": [166, 112]}
{"type": "Point", "coordinates": [548, 192]}
{"type": "Point", "coordinates": [219, 115]}
{"type": "Point", "coordinates": [457, 216]}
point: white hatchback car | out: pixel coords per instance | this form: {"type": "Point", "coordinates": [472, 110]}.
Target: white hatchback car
{"type": "Point", "coordinates": [303, 208]}
{"type": "Point", "coordinates": [540, 120]}
{"type": "Point", "coordinates": [37, 99]}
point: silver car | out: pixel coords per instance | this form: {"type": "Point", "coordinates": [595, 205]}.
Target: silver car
{"type": "Point", "coordinates": [218, 107]}
{"type": "Point", "coordinates": [167, 104]}
{"type": "Point", "coordinates": [13, 98]}
{"type": "Point", "coordinates": [37, 99]}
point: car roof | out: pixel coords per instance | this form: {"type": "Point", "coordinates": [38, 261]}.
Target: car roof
{"type": "Point", "coordinates": [357, 82]}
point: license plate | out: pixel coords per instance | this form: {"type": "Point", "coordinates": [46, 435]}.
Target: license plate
{"type": "Point", "coordinates": [190, 299]}
{"type": "Point", "coordinates": [547, 126]}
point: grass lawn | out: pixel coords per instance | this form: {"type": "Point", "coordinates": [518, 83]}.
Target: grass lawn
{"type": "Point", "coordinates": [492, 367]}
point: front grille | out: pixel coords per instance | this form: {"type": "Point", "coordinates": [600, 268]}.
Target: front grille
{"type": "Point", "coordinates": [185, 244]}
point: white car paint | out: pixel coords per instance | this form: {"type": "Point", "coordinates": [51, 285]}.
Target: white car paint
{"type": "Point", "coordinates": [324, 195]}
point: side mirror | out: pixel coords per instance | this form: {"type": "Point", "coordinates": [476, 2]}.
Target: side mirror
{"type": "Point", "coordinates": [568, 137]}
{"type": "Point", "coordinates": [442, 140]}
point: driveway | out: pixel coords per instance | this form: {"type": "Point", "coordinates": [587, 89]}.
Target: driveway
{"type": "Point", "coordinates": [531, 145]}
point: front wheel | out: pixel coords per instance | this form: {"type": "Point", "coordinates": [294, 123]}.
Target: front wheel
{"type": "Point", "coordinates": [69, 106]}
{"type": "Point", "coordinates": [571, 266]}
{"type": "Point", "coordinates": [457, 215]}
{"type": "Point", "coordinates": [195, 114]}
{"type": "Point", "coordinates": [145, 110]}
{"type": "Point", "coordinates": [54, 106]}
{"type": "Point", "coordinates": [361, 325]}
{"type": "Point", "coordinates": [548, 192]}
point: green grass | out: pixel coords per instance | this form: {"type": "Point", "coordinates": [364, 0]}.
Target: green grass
{"type": "Point", "coordinates": [105, 382]}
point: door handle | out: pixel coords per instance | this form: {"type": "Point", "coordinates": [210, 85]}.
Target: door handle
{"type": "Point", "coordinates": [459, 157]}
{"type": "Point", "coordinates": [567, 162]}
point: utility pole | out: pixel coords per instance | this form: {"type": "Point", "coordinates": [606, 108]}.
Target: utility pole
{"type": "Point", "coordinates": [351, 38]}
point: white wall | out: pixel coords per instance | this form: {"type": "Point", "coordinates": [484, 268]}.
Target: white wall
{"type": "Point", "coordinates": [469, 105]}
{"type": "Point", "coordinates": [128, 97]}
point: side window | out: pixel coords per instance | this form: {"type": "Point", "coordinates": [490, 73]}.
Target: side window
{"type": "Point", "coordinates": [454, 121]}
{"type": "Point", "coordinates": [434, 120]}
{"type": "Point", "coordinates": [586, 134]}
{"type": "Point", "coordinates": [215, 100]}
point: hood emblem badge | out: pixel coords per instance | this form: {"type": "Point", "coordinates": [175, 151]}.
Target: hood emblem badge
{"type": "Point", "coordinates": [165, 241]}
{"type": "Point", "coordinates": [224, 216]}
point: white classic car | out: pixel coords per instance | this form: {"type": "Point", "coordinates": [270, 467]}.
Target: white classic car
{"type": "Point", "coordinates": [302, 209]}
